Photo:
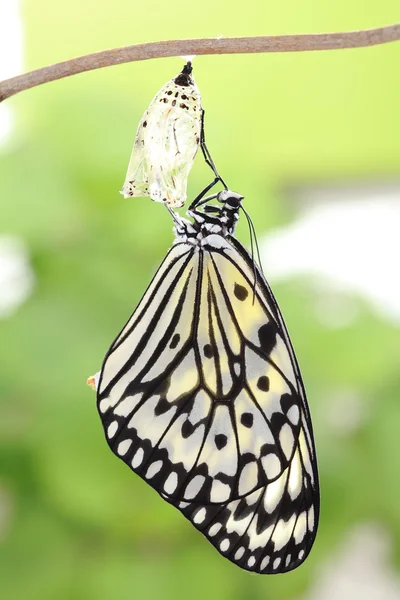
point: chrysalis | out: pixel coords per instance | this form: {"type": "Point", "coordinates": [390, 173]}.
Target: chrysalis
{"type": "Point", "coordinates": [166, 143]}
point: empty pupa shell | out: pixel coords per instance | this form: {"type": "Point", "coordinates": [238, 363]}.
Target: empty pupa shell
{"type": "Point", "coordinates": [166, 143]}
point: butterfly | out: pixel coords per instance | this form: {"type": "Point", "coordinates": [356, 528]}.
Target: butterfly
{"type": "Point", "coordinates": [201, 395]}
{"type": "Point", "coordinates": [166, 143]}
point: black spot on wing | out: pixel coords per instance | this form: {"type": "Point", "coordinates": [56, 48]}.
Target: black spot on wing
{"type": "Point", "coordinates": [175, 340]}
{"type": "Point", "coordinates": [287, 401]}
{"type": "Point", "coordinates": [220, 441]}
{"type": "Point", "coordinates": [263, 383]}
{"type": "Point", "coordinates": [247, 419]}
{"type": "Point", "coordinates": [162, 407]}
{"type": "Point", "coordinates": [240, 292]}
{"type": "Point", "coordinates": [267, 336]}
{"type": "Point", "coordinates": [208, 351]}
{"type": "Point", "coordinates": [187, 429]}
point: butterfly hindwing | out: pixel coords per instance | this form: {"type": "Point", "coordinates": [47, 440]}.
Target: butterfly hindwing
{"type": "Point", "coordinates": [270, 530]}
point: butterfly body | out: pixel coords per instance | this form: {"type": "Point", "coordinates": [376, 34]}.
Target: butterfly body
{"type": "Point", "coordinates": [201, 395]}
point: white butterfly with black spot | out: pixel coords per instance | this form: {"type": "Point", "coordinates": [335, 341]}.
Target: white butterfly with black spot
{"type": "Point", "coordinates": [201, 395]}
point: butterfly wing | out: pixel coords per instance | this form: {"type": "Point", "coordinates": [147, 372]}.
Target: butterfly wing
{"type": "Point", "coordinates": [272, 528]}
{"type": "Point", "coordinates": [201, 395]}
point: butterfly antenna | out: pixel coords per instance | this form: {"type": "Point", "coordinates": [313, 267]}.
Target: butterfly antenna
{"type": "Point", "coordinates": [251, 225]}
{"type": "Point", "coordinates": [207, 155]}
{"type": "Point", "coordinates": [257, 246]}
{"type": "Point", "coordinates": [253, 238]}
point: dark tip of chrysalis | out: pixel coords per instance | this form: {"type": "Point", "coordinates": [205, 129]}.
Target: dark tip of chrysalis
{"type": "Point", "coordinates": [187, 69]}
{"type": "Point", "coordinates": [184, 78]}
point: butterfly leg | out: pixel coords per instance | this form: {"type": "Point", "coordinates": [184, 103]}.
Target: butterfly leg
{"type": "Point", "coordinates": [176, 217]}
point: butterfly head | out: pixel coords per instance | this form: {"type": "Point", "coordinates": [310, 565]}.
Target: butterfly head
{"type": "Point", "coordinates": [231, 203]}
{"type": "Point", "coordinates": [229, 212]}
{"type": "Point", "coordinates": [230, 199]}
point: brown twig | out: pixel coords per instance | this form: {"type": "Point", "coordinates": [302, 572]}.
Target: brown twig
{"type": "Point", "coordinates": [242, 45]}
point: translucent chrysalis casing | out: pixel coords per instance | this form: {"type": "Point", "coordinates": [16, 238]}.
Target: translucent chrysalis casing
{"type": "Point", "coordinates": [166, 143]}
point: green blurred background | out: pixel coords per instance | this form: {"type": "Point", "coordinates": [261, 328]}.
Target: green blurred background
{"type": "Point", "coordinates": [75, 522]}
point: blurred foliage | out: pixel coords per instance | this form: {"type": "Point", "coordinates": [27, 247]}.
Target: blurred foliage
{"type": "Point", "coordinates": [78, 524]}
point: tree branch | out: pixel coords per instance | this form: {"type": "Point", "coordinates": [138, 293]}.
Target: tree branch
{"type": "Point", "coordinates": [241, 45]}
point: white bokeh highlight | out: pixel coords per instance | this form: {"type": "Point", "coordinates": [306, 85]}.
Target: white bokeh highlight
{"type": "Point", "coordinates": [16, 275]}
{"type": "Point", "coordinates": [350, 240]}
{"type": "Point", "coordinates": [11, 56]}
{"type": "Point", "coordinates": [359, 568]}
{"type": "Point", "coordinates": [344, 411]}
